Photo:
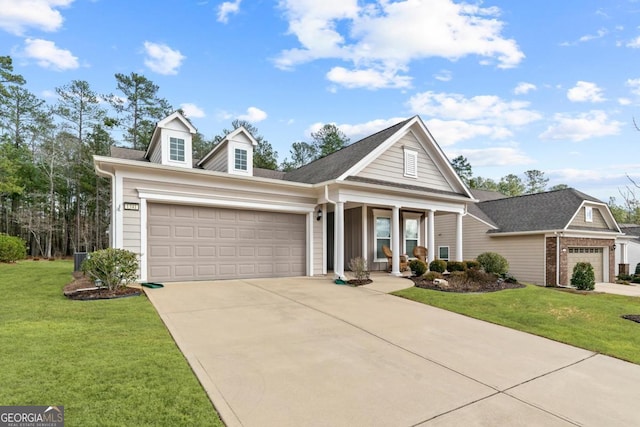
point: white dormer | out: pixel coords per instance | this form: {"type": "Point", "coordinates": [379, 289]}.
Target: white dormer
{"type": "Point", "coordinates": [172, 142]}
{"type": "Point", "coordinates": [234, 154]}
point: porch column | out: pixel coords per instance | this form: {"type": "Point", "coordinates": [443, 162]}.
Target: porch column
{"type": "Point", "coordinates": [395, 241]}
{"type": "Point", "coordinates": [459, 237]}
{"type": "Point", "coordinates": [365, 236]}
{"type": "Point", "coordinates": [338, 260]}
{"type": "Point", "coordinates": [431, 237]}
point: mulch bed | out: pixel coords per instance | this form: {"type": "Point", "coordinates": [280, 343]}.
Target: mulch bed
{"type": "Point", "coordinates": [465, 286]}
{"type": "Point", "coordinates": [356, 282]}
{"type": "Point", "coordinates": [632, 317]}
{"type": "Point", "coordinates": [82, 288]}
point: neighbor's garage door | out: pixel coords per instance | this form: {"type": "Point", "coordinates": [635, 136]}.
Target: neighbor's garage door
{"type": "Point", "coordinates": [200, 243]}
{"type": "Point", "coordinates": [595, 256]}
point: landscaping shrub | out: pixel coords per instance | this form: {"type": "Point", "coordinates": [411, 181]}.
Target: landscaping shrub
{"type": "Point", "coordinates": [636, 279]}
{"type": "Point", "coordinates": [637, 273]}
{"type": "Point", "coordinates": [472, 264]}
{"type": "Point", "coordinates": [438, 265]}
{"type": "Point", "coordinates": [583, 277]}
{"type": "Point", "coordinates": [480, 277]}
{"type": "Point", "coordinates": [12, 248]}
{"type": "Point", "coordinates": [492, 262]}
{"type": "Point", "coordinates": [358, 267]}
{"type": "Point", "coordinates": [432, 275]}
{"type": "Point", "coordinates": [112, 267]}
{"type": "Point", "coordinates": [455, 266]}
{"type": "Point", "coordinates": [509, 278]}
{"type": "Point", "coordinates": [418, 266]}
{"type": "Point", "coordinates": [625, 277]}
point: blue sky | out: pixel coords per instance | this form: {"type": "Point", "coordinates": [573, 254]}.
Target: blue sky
{"type": "Point", "coordinates": [511, 85]}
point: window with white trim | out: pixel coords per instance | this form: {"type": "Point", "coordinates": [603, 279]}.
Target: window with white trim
{"type": "Point", "coordinates": [382, 235]}
{"type": "Point", "coordinates": [176, 149]}
{"type": "Point", "coordinates": [240, 159]}
{"type": "Point", "coordinates": [443, 253]}
{"type": "Point", "coordinates": [410, 163]}
{"type": "Point", "coordinates": [588, 214]}
{"type": "Point", "coordinates": [411, 233]}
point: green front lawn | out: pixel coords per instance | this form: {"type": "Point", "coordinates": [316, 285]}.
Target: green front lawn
{"type": "Point", "coordinates": [589, 321]}
{"type": "Point", "coordinates": [109, 362]}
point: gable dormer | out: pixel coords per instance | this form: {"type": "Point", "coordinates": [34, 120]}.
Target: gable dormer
{"type": "Point", "coordinates": [172, 142]}
{"type": "Point", "coordinates": [233, 155]}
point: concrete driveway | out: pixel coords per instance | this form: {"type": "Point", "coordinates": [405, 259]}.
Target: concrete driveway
{"type": "Point", "coordinates": [306, 352]}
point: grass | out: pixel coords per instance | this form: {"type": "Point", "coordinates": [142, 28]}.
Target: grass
{"type": "Point", "coordinates": [590, 321]}
{"type": "Point", "coordinates": [109, 362]}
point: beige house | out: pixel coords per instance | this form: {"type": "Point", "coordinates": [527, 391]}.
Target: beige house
{"type": "Point", "coordinates": [219, 217]}
{"type": "Point", "coordinates": [542, 236]}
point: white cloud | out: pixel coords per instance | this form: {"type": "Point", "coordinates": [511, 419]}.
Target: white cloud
{"type": "Point", "coordinates": [587, 37]}
{"type": "Point", "coordinates": [228, 8]}
{"type": "Point", "coordinates": [624, 101]}
{"type": "Point", "coordinates": [449, 132]}
{"type": "Point", "coordinates": [192, 110]}
{"type": "Point", "coordinates": [486, 109]}
{"type": "Point", "coordinates": [635, 43]}
{"type": "Point", "coordinates": [253, 115]}
{"type": "Point", "coordinates": [48, 55]}
{"type": "Point", "coordinates": [593, 124]}
{"type": "Point", "coordinates": [443, 76]}
{"type": "Point", "coordinates": [585, 92]}
{"type": "Point", "coordinates": [370, 79]}
{"type": "Point", "coordinates": [162, 59]}
{"type": "Point", "coordinates": [523, 88]}
{"type": "Point", "coordinates": [49, 94]}
{"type": "Point", "coordinates": [634, 84]}
{"type": "Point", "coordinates": [493, 156]}
{"type": "Point", "coordinates": [17, 16]}
{"type": "Point", "coordinates": [386, 36]}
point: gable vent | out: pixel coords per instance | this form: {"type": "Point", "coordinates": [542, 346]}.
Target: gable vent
{"type": "Point", "coordinates": [410, 163]}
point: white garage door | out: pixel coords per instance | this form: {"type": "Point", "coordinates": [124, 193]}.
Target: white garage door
{"type": "Point", "coordinates": [201, 243]}
{"type": "Point", "coordinates": [595, 256]}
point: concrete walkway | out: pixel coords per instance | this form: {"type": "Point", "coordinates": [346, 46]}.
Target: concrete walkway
{"type": "Point", "coordinates": [631, 290]}
{"type": "Point", "coordinates": [306, 352]}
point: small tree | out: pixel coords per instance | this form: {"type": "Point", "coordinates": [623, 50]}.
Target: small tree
{"type": "Point", "coordinates": [113, 267]}
{"type": "Point", "coordinates": [358, 267]}
{"type": "Point", "coordinates": [12, 248]}
{"type": "Point", "coordinates": [583, 277]}
{"type": "Point", "coordinates": [494, 263]}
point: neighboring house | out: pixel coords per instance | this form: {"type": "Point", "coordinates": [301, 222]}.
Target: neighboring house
{"type": "Point", "coordinates": [628, 247]}
{"type": "Point", "coordinates": [542, 235]}
{"type": "Point", "coordinates": [219, 217]}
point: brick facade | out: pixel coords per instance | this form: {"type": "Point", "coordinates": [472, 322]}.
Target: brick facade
{"type": "Point", "coordinates": [566, 242]}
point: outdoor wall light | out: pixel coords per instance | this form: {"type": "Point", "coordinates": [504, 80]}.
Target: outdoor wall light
{"type": "Point", "coordinates": [613, 247]}
{"type": "Point", "coordinates": [319, 215]}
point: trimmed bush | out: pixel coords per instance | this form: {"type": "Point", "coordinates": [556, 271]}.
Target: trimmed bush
{"type": "Point", "coordinates": [455, 266]}
{"type": "Point", "coordinates": [479, 276]}
{"type": "Point", "coordinates": [509, 278]}
{"type": "Point", "coordinates": [636, 279]}
{"type": "Point", "coordinates": [432, 275]}
{"type": "Point", "coordinates": [12, 248]}
{"type": "Point", "coordinates": [472, 264]}
{"type": "Point", "coordinates": [583, 277]}
{"type": "Point", "coordinates": [438, 265]}
{"type": "Point", "coordinates": [418, 266]}
{"type": "Point", "coordinates": [113, 267]}
{"type": "Point", "coordinates": [492, 262]}
{"type": "Point", "coordinates": [625, 277]}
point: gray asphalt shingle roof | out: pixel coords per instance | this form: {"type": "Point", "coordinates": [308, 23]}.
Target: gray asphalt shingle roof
{"type": "Point", "coordinates": [335, 164]}
{"type": "Point", "coordinates": [551, 210]}
{"type": "Point", "coordinates": [128, 154]}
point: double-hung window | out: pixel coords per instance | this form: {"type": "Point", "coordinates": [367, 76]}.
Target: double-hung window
{"type": "Point", "coordinates": [176, 149]}
{"type": "Point", "coordinates": [411, 233]}
{"type": "Point", "coordinates": [443, 253]}
{"type": "Point", "coordinates": [382, 233]}
{"type": "Point", "coordinates": [240, 159]}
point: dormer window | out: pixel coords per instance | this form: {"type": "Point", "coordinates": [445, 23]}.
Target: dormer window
{"type": "Point", "coordinates": [176, 149]}
{"type": "Point", "coordinates": [240, 159]}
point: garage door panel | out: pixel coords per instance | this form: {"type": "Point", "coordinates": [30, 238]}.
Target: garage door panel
{"type": "Point", "coordinates": [594, 256]}
{"type": "Point", "coordinates": [200, 243]}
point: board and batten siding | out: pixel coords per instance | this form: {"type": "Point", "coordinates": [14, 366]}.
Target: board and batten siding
{"type": "Point", "coordinates": [525, 254]}
{"type": "Point", "coordinates": [598, 219]}
{"type": "Point", "coordinates": [389, 166]}
{"type": "Point", "coordinates": [218, 162]}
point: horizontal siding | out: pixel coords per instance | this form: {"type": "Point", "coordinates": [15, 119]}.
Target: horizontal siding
{"type": "Point", "coordinates": [389, 166]}
{"type": "Point", "coordinates": [218, 162]}
{"type": "Point", "coordinates": [156, 154]}
{"type": "Point", "coordinates": [598, 220]}
{"type": "Point", "coordinates": [525, 254]}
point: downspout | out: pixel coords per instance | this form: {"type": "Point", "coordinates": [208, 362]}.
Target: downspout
{"type": "Point", "coordinates": [112, 231]}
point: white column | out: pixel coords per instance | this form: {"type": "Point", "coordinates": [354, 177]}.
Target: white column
{"type": "Point", "coordinates": [143, 240]}
{"type": "Point", "coordinates": [311, 217]}
{"type": "Point", "coordinates": [338, 263]}
{"type": "Point", "coordinates": [624, 253]}
{"type": "Point", "coordinates": [365, 236]}
{"type": "Point", "coordinates": [324, 239]}
{"type": "Point", "coordinates": [459, 237]}
{"type": "Point", "coordinates": [431, 237]}
{"type": "Point", "coordinates": [395, 241]}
